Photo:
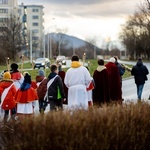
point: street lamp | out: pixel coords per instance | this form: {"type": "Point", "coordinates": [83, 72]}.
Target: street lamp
{"type": "Point", "coordinates": [49, 43]}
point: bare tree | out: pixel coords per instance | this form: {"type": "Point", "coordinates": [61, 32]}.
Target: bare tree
{"type": "Point", "coordinates": [60, 39]}
{"type": "Point", "coordinates": [11, 36]}
{"type": "Point", "coordinates": [135, 33]}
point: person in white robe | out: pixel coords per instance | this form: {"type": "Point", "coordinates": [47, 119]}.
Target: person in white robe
{"type": "Point", "coordinates": [77, 78]}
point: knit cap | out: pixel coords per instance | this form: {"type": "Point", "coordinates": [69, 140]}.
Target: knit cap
{"type": "Point", "coordinates": [41, 73]}
{"type": "Point", "coordinates": [6, 76]}
{"type": "Point", "coordinates": [112, 59]}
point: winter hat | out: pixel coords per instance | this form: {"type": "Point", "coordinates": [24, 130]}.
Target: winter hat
{"type": "Point", "coordinates": [14, 66]}
{"type": "Point", "coordinates": [27, 78]}
{"type": "Point", "coordinates": [25, 73]}
{"type": "Point", "coordinates": [112, 59]}
{"type": "Point", "coordinates": [6, 76]}
{"type": "Point", "coordinates": [41, 73]}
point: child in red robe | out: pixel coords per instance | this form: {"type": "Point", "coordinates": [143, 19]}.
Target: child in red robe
{"type": "Point", "coordinates": [25, 98]}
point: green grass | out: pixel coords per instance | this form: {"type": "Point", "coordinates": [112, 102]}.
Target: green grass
{"type": "Point", "coordinates": [92, 67]}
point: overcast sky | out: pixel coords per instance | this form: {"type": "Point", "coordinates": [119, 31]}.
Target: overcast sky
{"type": "Point", "coordinates": [86, 18]}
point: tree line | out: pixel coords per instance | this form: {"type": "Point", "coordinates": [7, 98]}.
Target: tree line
{"type": "Point", "coordinates": [135, 32]}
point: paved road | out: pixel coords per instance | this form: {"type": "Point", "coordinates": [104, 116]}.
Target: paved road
{"type": "Point", "coordinates": [129, 87]}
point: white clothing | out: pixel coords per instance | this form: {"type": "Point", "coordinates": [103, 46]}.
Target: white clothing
{"type": "Point", "coordinates": [77, 79]}
{"type": "Point", "coordinates": [18, 83]}
{"type": "Point", "coordinates": [26, 108]}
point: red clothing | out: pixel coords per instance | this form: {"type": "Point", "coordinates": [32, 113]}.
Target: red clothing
{"type": "Point", "coordinates": [33, 84]}
{"type": "Point", "coordinates": [41, 90]}
{"type": "Point", "coordinates": [101, 91]}
{"type": "Point", "coordinates": [62, 75]}
{"type": "Point", "coordinates": [9, 101]}
{"type": "Point", "coordinates": [16, 75]}
{"type": "Point", "coordinates": [26, 96]}
{"type": "Point", "coordinates": [114, 81]}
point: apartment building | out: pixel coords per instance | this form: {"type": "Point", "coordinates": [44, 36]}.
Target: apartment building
{"type": "Point", "coordinates": [8, 8]}
{"type": "Point", "coordinates": [32, 18]}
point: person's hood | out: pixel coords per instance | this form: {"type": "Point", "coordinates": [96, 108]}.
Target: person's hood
{"type": "Point", "coordinates": [139, 63]}
{"type": "Point", "coordinates": [39, 78]}
{"type": "Point", "coordinates": [100, 68]}
{"type": "Point", "coordinates": [25, 86]}
{"type": "Point", "coordinates": [52, 75]}
{"type": "Point", "coordinates": [75, 64]}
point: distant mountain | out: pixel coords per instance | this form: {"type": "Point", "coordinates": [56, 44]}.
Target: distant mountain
{"type": "Point", "coordinates": [69, 43]}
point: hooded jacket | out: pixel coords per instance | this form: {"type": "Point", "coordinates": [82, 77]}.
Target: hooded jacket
{"type": "Point", "coordinates": [139, 71]}
{"type": "Point", "coordinates": [9, 101]}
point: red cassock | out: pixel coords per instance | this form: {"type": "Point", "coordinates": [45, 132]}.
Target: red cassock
{"type": "Point", "coordinates": [114, 81]}
{"type": "Point", "coordinates": [26, 96]}
{"type": "Point", "coordinates": [101, 91]}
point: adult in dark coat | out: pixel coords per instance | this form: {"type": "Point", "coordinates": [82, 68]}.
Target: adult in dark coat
{"type": "Point", "coordinates": [114, 81]}
{"type": "Point", "coordinates": [140, 72]}
{"type": "Point", "coordinates": [62, 73]}
{"type": "Point", "coordinates": [101, 79]}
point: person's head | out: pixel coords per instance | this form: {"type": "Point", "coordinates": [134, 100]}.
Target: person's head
{"type": "Point", "coordinates": [14, 67]}
{"type": "Point", "coordinates": [6, 76]}
{"type": "Point", "coordinates": [139, 59]}
{"type": "Point", "coordinates": [24, 73]}
{"type": "Point", "coordinates": [75, 58]}
{"type": "Point", "coordinates": [27, 78]}
{"type": "Point", "coordinates": [116, 58]}
{"type": "Point", "coordinates": [41, 73]}
{"type": "Point", "coordinates": [54, 68]}
{"type": "Point", "coordinates": [139, 62]}
{"type": "Point", "coordinates": [112, 60]}
{"type": "Point", "coordinates": [101, 62]}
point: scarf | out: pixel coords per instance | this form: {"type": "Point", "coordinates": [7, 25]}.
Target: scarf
{"type": "Point", "coordinates": [75, 64]}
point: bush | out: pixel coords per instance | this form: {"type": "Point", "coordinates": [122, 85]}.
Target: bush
{"type": "Point", "coordinates": [108, 128]}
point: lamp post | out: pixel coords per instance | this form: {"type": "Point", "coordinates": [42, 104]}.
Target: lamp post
{"type": "Point", "coordinates": [31, 46]}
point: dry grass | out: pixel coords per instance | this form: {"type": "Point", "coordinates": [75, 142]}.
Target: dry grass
{"type": "Point", "coordinates": [114, 127]}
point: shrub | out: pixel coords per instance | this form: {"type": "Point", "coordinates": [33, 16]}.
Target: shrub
{"type": "Point", "coordinates": [108, 128]}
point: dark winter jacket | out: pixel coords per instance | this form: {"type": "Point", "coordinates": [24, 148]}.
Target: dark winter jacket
{"type": "Point", "coordinates": [139, 71]}
{"type": "Point", "coordinates": [53, 89]}
{"type": "Point", "coordinates": [42, 88]}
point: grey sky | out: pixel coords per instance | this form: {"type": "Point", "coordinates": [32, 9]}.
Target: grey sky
{"type": "Point", "coordinates": [101, 18]}
{"type": "Point", "coordinates": [86, 8]}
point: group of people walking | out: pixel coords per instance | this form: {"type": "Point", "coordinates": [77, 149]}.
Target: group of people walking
{"type": "Point", "coordinates": [75, 87]}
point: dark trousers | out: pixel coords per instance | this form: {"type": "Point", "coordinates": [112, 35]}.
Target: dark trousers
{"type": "Point", "coordinates": [41, 102]}
{"type": "Point", "coordinates": [56, 104]}
{"type": "Point", "coordinates": [13, 113]}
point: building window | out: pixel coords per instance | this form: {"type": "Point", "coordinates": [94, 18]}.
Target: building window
{"type": "Point", "coordinates": [35, 31]}
{"type": "Point", "coordinates": [3, 1]}
{"type": "Point", "coordinates": [35, 24]}
{"type": "Point", "coordinates": [3, 10]}
{"type": "Point", "coordinates": [35, 38]}
{"type": "Point", "coordinates": [35, 10]}
{"type": "Point", "coordinates": [3, 19]}
{"type": "Point", "coordinates": [35, 17]}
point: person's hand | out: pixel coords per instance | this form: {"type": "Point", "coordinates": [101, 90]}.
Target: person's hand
{"type": "Point", "coordinates": [64, 99]}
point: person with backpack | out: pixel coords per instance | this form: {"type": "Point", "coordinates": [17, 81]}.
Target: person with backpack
{"type": "Point", "coordinates": [55, 91]}
{"type": "Point", "coordinates": [7, 96]}
{"type": "Point", "coordinates": [140, 72]}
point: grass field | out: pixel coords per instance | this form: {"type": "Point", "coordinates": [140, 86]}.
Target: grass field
{"type": "Point", "coordinates": [92, 66]}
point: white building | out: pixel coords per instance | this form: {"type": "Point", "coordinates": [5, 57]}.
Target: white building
{"type": "Point", "coordinates": [32, 18]}
{"type": "Point", "coordinates": [8, 8]}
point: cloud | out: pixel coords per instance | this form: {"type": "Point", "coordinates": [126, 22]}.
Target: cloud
{"type": "Point", "coordinates": [86, 8]}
